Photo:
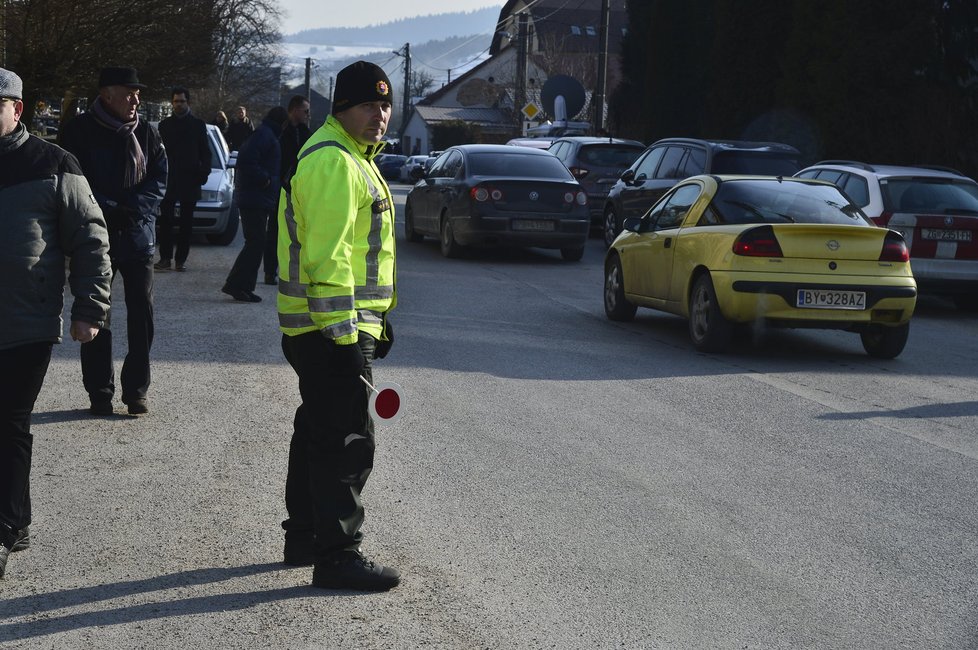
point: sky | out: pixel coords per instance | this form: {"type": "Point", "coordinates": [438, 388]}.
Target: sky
{"type": "Point", "coordinates": [312, 14]}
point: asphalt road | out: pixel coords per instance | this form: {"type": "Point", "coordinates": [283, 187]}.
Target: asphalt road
{"type": "Point", "coordinates": [557, 480]}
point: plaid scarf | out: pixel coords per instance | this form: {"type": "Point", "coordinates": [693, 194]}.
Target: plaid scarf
{"type": "Point", "coordinates": [136, 164]}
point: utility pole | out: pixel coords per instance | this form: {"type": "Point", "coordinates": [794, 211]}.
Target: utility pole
{"type": "Point", "coordinates": [407, 88]}
{"type": "Point", "coordinates": [521, 56]}
{"type": "Point", "coordinates": [308, 86]}
{"type": "Point", "coordinates": [599, 100]}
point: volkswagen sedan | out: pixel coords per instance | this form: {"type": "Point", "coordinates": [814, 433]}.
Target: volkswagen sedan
{"type": "Point", "coordinates": [723, 250]}
{"type": "Point", "coordinates": [497, 195]}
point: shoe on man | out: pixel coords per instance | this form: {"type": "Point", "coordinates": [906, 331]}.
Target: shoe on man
{"type": "Point", "coordinates": [299, 548]}
{"type": "Point", "coordinates": [181, 266]}
{"type": "Point", "coordinates": [23, 541]}
{"type": "Point", "coordinates": [350, 570]}
{"type": "Point", "coordinates": [8, 537]}
{"type": "Point", "coordinates": [137, 406]}
{"type": "Point", "coordinates": [240, 294]}
{"type": "Point", "coordinates": [101, 408]}
{"type": "Point", "coordinates": [271, 279]}
{"type": "Point", "coordinates": [162, 265]}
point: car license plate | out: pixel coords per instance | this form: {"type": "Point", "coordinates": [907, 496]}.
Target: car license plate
{"type": "Point", "coordinates": [820, 299]}
{"type": "Point", "coordinates": [947, 235]}
{"type": "Point", "coordinates": [533, 224]}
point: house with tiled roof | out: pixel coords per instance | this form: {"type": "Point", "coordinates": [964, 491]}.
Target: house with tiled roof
{"type": "Point", "coordinates": [562, 39]}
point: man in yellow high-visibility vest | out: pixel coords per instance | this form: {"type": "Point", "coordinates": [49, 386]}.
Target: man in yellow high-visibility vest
{"type": "Point", "coordinates": [336, 288]}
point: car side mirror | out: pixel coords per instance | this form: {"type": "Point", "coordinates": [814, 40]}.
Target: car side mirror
{"type": "Point", "coordinates": [632, 224]}
{"type": "Point", "coordinates": [628, 175]}
{"type": "Point", "coordinates": [232, 159]}
{"type": "Point", "coordinates": [417, 173]}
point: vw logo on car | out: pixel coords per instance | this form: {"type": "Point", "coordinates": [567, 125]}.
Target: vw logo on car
{"type": "Point", "coordinates": [534, 196]}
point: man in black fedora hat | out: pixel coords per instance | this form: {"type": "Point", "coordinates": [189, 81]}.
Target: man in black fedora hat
{"type": "Point", "coordinates": [125, 163]}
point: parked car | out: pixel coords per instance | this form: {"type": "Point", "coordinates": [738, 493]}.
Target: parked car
{"type": "Point", "coordinates": [935, 209]}
{"type": "Point", "coordinates": [496, 195]}
{"type": "Point", "coordinates": [404, 175]}
{"type": "Point", "coordinates": [597, 164]}
{"type": "Point", "coordinates": [722, 250]}
{"type": "Point", "coordinates": [390, 165]}
{"type": "Point", "coordinates": [540, 142]}
{"type": "Point", "coordinates": [666, 162]}
{"type": "Point", "coordinates": [215, 214]}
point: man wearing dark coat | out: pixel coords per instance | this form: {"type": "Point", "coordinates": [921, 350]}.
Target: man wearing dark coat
{"type": "Point", "coordinates": [294, 135]}
{"type": "Point", "coordinates": [240, 129]}
{"type": "Point", "coordinates": [51, 225]}
{"type": "Point", "coordinates": [124, 161]}
{"type": "Point", "coordinates": [188, 157]}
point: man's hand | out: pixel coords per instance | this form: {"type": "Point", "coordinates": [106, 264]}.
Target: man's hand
{"type": "Point", "coordinates": [82, 331]}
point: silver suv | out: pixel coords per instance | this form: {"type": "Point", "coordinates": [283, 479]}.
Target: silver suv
{"type": "Point", "coordinates": [934, 208]}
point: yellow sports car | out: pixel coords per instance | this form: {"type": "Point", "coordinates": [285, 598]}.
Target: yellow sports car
{"type": "Point", "coordinates": [722, 250]}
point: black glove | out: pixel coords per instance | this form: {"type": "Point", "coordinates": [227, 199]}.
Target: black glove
{"type": "Point", "coordinates": [345, 359]}
{"type": "Point", "coordinates": [383, 347]}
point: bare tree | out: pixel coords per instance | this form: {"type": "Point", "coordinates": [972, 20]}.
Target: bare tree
{"type": "Point", "coordinates": [421, 82]}
{"type": "Point", "coordinates": [248, 63]}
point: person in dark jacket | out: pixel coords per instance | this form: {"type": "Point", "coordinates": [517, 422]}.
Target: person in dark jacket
{"type": "Point", "coordinates": [257, 183]}
{"type": "Point", "coordinates": [48, 216]}
{"type": "Point", "coordinates": [240, 129]}
{"type": "Point", "coordinates": [294, 135]}
{"type": "Point", "coordinates": [125, 163]}
{"type": "Point", "coordinates": [188, 157]}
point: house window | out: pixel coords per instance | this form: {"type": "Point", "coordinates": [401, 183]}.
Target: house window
{"type": "Point", "coordinates": [591, 31]}
{"type": "Point", "coordinates": [575, 30]}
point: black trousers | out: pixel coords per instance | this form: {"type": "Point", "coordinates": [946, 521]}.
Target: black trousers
{"type": "Point", "coordinates": [332, 449]}
{"type": "Point", "coordinates": [271, 246]}
{"type": "Point", "coordinates": [244, 273]}
{"type": "Point", "coordinates": [96, 356]}
{"type": "Point", "coordinates": [21, 377]}
{"type": "Point", "coordinates": [185, 226]}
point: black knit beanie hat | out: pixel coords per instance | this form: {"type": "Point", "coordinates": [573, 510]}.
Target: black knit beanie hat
{"type": "Point", "coordinates": [358, 83]}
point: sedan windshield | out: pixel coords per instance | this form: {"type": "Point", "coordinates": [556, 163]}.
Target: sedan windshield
{"type": "Point", "coordinates": [517, 164]}
{"type": "Point", "coordinates": [773, 201]}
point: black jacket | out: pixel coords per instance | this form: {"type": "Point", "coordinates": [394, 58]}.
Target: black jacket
{"type": "Point", "coordinates": [49, 221]}
{"type": "Point", "coordinates": [238, 132]}
{"type": "Point", "coordinates": [129, 212]}
{"type": "Point", "coordinates": [292, 138]}
{"type": "Point", "coordinates": [257, 173]}
{"type": "Point", "coordinates": [188, 155]}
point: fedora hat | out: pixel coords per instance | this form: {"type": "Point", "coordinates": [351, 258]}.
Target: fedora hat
{"type": "Point", "coordinates": [119, 77]}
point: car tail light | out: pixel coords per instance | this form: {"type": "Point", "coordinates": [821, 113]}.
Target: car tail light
{"type": "Point", "coordinates": [894, 248]}
{"type": "Point", "coordinates": [579, 172]}
{"type": "Point", "coordinates": [579, 197]}
{"type": "Point", "coordinates": [758, 242]}
{"type": "Point", "coordinates": [883, 219]}
{"type": "Point", "coordinates": [485, 193]}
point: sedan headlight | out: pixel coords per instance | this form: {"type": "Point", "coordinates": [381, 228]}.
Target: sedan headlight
{"type": "Point", "coordinates": [211, 196]}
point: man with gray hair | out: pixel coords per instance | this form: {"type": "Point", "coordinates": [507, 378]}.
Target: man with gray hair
{"type": "Point", "coordinates": [123, 158]}
{"type": "Point", "coordinates": [49, 215]}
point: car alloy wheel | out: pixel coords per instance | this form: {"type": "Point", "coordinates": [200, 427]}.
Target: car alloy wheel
{"type": "Point", "coordinates": [709, 330]}
{"type": "Point", "coordinates": [410, 233]}
{"type": "Point", "coordinates": [616, 306]}
{"type": "Point", "coordinates": [449, 247]}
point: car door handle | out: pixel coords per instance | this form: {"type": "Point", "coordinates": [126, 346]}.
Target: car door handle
{"type": "Point", "coordinates": [667, 243]}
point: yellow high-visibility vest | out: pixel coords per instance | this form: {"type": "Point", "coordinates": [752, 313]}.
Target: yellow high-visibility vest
{"type": "Point", "coordinates": [335, 240]}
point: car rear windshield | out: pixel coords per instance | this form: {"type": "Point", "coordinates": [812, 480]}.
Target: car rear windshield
{"type": "Point", "coordinates": [933, 195]}
{"type": "Point", "coordinates": [753, 163]}
{"type": "Point", "coordinates": [517, 164]}
{"type": "Point", "coordinates": [609, 155]}
{"type": "Point", "coordinates": [771, 201]}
